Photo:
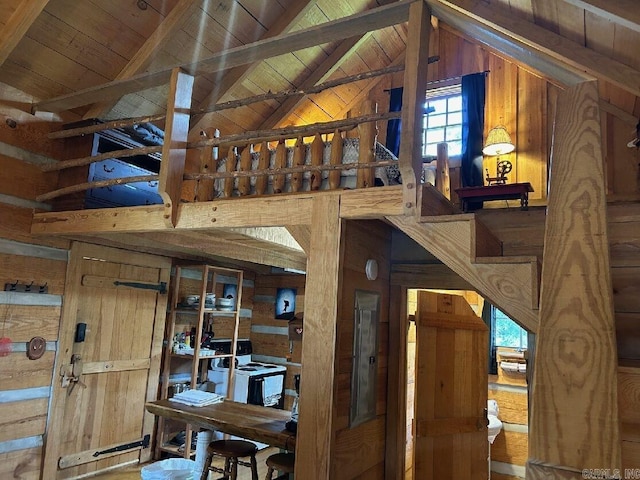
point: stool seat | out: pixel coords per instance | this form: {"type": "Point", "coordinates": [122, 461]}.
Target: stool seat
{"type": "Point", "coordinates": [231, 451]}
{"type": "Point", "coordinates": [282, 462]}
{"type": "Point", "coordinates": [233, 448]}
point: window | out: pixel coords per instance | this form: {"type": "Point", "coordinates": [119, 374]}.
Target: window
{"type": "Point", "coordinates": [442, 121]}
{"type": "Point", "coordinates": [507, 332]}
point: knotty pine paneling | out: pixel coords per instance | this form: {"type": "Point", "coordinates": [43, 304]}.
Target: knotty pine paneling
{"type": "Point", "coordinates": [22, 322]}
{"type": "Point", "coordinates": [23, 419]}
{"type": "Point", "coordinates": [21, 464]}
{"type": "Point", "coordinates": [17, 372]}
{"type": "Point", "coordinates": [263, 317]}
{"type": "Point", "coordinates": [28, 269]}
{"type": "Point", "coordinates": [510, 447]}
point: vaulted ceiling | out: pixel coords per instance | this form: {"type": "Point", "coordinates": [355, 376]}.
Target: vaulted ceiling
{"type": "Point", "coordinates": [54, 48]}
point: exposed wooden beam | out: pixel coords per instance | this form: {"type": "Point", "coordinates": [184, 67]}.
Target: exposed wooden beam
{"type": "Point", "coordinates": [322, 299]}
{"type": "Point", "coordinates": [320, 74]}
{"type": "Point", "coordinates": [230, 245]}
{"type": "Point", "coordinates": [576, 344]}
{"type": "Point", "coordinates": [174, 149]}
{"type": "Point", "coordinates": [178, 15]}
{"type": "Point", "coordinates": [291, 17]}
{"type": "Point", "coordinates": [550, 54]}
{"type": "Point", "coordinates": [622, 12]}
{"type": "Point", "coordinates": [302, 235]}
{"type": "Point", "coordinates": [427, 275]}
{"type": "Point", "coordinates": [18, 24]}
{"type": "Point", "coordinates": [346, 27]}
{"type": "Point", "coordinates": [415, 86]}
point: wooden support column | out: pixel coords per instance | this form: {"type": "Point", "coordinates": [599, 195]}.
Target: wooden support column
{"type": "Point", "coordinates": [413, 97]}
{"type": "Point", "coordinates": [396, 438]}
{"type": "Point", "coordinates": [574, 413]}
{"type": "Point", "coordinates": [174, 150]}
{"type": "Point", "coordinates": [317, 383]}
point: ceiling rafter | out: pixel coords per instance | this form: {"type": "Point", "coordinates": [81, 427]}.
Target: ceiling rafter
{"type": "Point", "coordinates": [18, 24]}
{"type": "Point", "coordinates": [622, 12]}
{"type": "Point", "coordinates": [233, 77]}
{"type": "Point", "coordinates": [550, 54]}
{"type": "Point", "coordinates": [141, 59]}
{"type": "Point", "coordinates": [357, 24]}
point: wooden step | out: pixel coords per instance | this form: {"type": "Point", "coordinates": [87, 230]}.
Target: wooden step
{"type": "Point", "coordinates": [459, 241]}
{"type": "Point", "coordinates": [433, 203]}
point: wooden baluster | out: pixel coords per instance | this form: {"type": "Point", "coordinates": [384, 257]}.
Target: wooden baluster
{"type": "Point", "coordinates": [281, 162]}
{"type": "Point", "coordinates": [367, 144]}
{"type": "Point", "coordinates": [230, 167]}
{"type": "Point", "coordinates": [443, 182]}
{"type": "Point", "coordinates": [204, 189]}
{"type": "Point", "coordinates": [263, 164]}
{"type": "Point", "coordinates": [244, 183]}
{"type": "Point", "coordinates": [336, 159]}
{"type": "Point", "coordinates": [298, 159]}
{"type": "Point", "coordinates": [317, 152]}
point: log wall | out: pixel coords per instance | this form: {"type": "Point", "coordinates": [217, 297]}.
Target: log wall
{"type": "Point", "coordinates": [270, 336]}
{"type": "Point", "coordinates": [25, 385]}
{"type": "Point", "coordinates": [360, 451]}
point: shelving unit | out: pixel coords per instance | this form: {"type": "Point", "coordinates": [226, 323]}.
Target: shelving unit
{"type": "Point", "coordinates": [189, 364]}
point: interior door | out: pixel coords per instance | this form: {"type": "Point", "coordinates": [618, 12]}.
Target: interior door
{"type": "Point", "coordinates": [451, 390]}
{"type": "Point", "coordinates": [110, 342]}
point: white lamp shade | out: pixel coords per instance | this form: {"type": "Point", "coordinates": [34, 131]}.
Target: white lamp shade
{"type": "Point", "coordinates": [498, 142]}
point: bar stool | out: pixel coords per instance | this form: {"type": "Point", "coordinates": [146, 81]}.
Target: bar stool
{"type": "Point", "coordinates": [282, 462]}
{"type": "Point", "coordinates": [231, 450]}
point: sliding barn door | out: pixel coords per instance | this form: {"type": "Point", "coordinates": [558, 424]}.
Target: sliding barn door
{"type": "Point", "coordinates": [451, 390]}
{"type": "Point", "coordinates": [108, 361]}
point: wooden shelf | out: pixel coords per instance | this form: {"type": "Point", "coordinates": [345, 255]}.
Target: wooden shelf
{"type": "Point", "coordinates": [187, 281]}
{"type": "Point", "coordinates": [174, 450]}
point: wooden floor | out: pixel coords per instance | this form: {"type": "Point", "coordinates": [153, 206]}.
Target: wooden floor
{"type": "Point", "coordinates": [133, 473]}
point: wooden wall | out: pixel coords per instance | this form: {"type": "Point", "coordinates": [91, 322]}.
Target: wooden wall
{"type": "Point", "coordinates": [25, 385]}
{"type": "Point", "coordinates": [360, 451]}
{"type": "Point", "coordinates": [270, 336]}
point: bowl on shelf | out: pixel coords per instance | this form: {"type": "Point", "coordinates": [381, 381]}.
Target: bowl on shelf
{"type": "Point", "coordinates": [210, 300]}
{"type": "Point", "coordinates": [192, 300]}
{"type": "Point", "coordinates": [224, 303]}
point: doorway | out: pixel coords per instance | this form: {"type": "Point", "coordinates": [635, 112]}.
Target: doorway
{"type": "Point", "coordinates": [447, 378]}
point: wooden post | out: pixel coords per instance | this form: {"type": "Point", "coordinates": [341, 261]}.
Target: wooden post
{"type": "Point", "coordinates": [298, 159]}
{"type": "Point", "coordinates": [205, 188]}
{"type": "Point", "coordinates": [317, 153]}
{"type": "Point", "coordinates": [367, 133]}
{"type": "Point", "coordinates": [318, 376]}
{"type": "Point", "coordinates": [396, 437]}
{"type": "Point", "coordinates": [281, 162]}
{"type": "Point", "coordinates": [413, 97]}
{"type": "Point", "coordinates": [443, 182]}
{"type": "Point", "coordinates": [263, 162]}
{"type": "Point", "coordinates": [574, 413]}
{"type": "Point", "coordinates": [336, 159]}
{"type": "Point", "coordinates": [174, 150]}
{"type": "Point", "coordinates": [244, 184]}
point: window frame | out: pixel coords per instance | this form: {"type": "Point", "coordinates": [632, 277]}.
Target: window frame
{"type": "Point", "coordinates": [435, 95]}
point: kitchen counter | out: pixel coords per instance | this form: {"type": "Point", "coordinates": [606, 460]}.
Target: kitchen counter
{"type": "Point", "coordinates": [253, 422]}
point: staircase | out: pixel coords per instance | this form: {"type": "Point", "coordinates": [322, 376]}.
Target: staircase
{"type": "Point", "coordinates": [466, 246]}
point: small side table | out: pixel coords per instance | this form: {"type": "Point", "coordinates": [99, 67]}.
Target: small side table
{"type": "Point", "coordinates": [507, 191]}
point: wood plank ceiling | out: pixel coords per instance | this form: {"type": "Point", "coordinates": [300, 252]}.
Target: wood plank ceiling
{"type": "Point", "coordinates": [56, 47]}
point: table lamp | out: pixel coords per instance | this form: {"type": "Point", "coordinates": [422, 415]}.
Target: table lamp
{"type": "Point", "coordinates": [499, 143]}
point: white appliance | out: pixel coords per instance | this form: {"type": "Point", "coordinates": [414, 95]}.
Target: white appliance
{"type": "Point", "coordinates": [256, 383]}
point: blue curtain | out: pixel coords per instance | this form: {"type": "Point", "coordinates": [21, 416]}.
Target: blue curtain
{"type": "Point", "coordinates": [473, 98]}
{"type": "Point", "coordinates": [394, 125]}
{"type": "Point", "coordinates": [490, 320]}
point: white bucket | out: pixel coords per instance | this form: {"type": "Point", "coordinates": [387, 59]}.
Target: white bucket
{"type": "Point", "coordinates": [170, 469]}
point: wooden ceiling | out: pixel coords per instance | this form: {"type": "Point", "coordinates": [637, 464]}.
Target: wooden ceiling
{"type": "Point", "coordinates": [58, 47]}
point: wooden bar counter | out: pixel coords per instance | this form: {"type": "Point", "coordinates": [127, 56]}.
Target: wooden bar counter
{"type": "Point", "coordinates": [253, 422]}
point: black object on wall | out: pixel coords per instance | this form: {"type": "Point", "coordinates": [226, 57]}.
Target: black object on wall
{"type": "Point", "coordinates": [473, 100]}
